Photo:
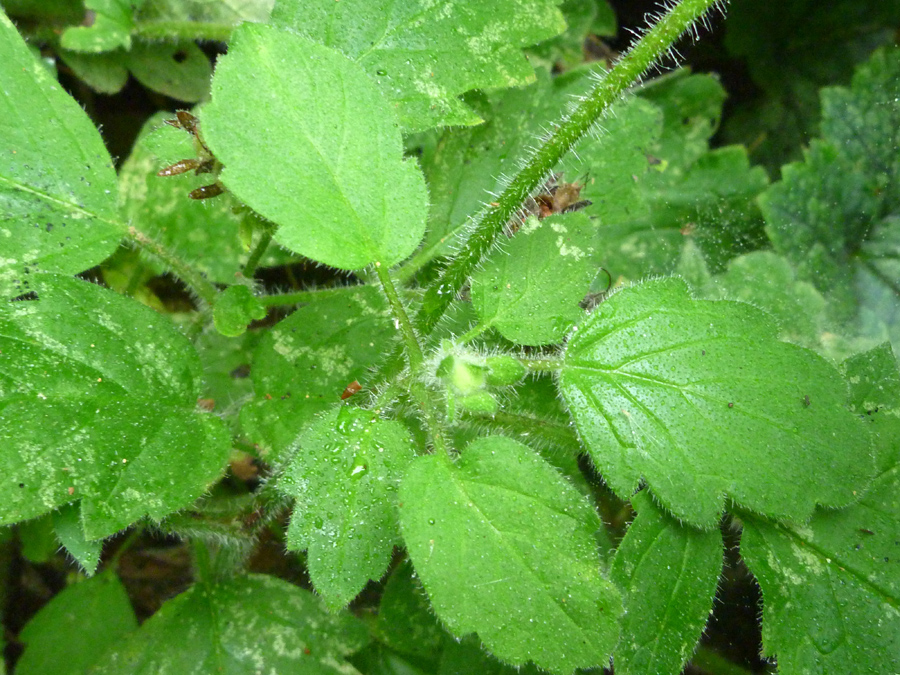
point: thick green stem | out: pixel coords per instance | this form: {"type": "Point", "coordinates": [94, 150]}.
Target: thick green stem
{"type": "Point", "coordinates": [538, 365]}
{"type": "Point", "coordinates": [199, 284]}
{"type": "Point", "coordinates": [416, 362]}
{"type": "Point", "coordinates": [568, 131]}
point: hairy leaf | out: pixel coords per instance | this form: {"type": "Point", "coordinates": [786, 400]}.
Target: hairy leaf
{"type": "Point", "coordinates": [310, 143]}
{"type": "Point", "coordinates": [506, 548]}
{"type": "Point", "coordinates": [422, 54]}
{"type": "Point", "coordinates": [529, 291]}
{"type": "Point", "coordinates": [702, 401]}
{"type": "Point", "coordinates": [244, 626]}
{"type": "Point", "coordinates": [344, 475]}
{"type": "Point", "coordinates": [69, 633]}
{"type": "Point", "coordinates": [57, 182]}
{"type": "Point", "coordinates": [669, 574]}
{"type": "Point", "coordinates": [304, 363]}
{"type": "Point", "coordinates": [67, 525]}
{"type": "Point", "coordinates": [98, 397]}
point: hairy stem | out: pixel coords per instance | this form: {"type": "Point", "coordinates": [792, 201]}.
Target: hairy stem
{"type": "Point", "coordinates": [416, 362]}
{"type": "Point", "coordinates": [200, 285]}
{"type": "Point", "coordinates": [568, 131]}
{"type": "Point", "coordinates": [256, 255]}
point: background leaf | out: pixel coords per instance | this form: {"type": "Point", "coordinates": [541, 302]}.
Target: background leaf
{"type": "Point", "coordinates": [324, 165]}
{"type": "Point", "coordinates": [669, 574]}
{"type": "Point", "coordinates": [303, 364]}
{"type": "Point", "coordinates": [405, 619]}
{"type": "Point", "coordinates": [532, 589]}
{"type": "Point", "coordinates": [109, 25]}
{"type": "Point", "coordinates": [702, 401]}
{"type": "Point", "coordinates": [530, 289]}
{"type": "Point", "coordinates": [241, 626]}
{"type": "Point", "coordinates": [57, 182]}
{"type": "Point", "coordinates": [344, 475]}
{"type": "Point", "coordinates": [423, 55]}
{"type": "Point", "coordinates": [98, 397]}
{"type": "Point", "coordinates": [71, 631]}
{"type": "Point", "coordinates": [177, 69]}
{"type": "Point", "coordinates": [836, 215]}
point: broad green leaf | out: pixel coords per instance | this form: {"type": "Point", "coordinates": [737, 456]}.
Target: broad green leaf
{"type": "Point", "coordinates": [71, 631]}
{"type": "Point", "coordinates": [105, 73]}
{"type": "Point", "coordinates": [205, 232]}
{"type": "Point", "coordinates": [67, 525]}
{"type": "Point", "coordinates": [506, 548]}
{"type": "Point", "coordinates": [98, 397]}
{"type": "Point", "coordinates": [668, 573]}
{"type": "Point", "coordinates": [236, 307]}
{"type": "Point", "coordinates": [108, 27]}
{"type": "Point", "coordinates": [830, 588]}
{"type": "Point", "coordinates": [422, 54]}
{"type": "Point", "coordinates": [57, 181]}
{"type": "Point", "coordinates": [701, 401]}
{"type": "Point", "coordinates": [468, 657]}
{"type": "Point", "coordinates": [180, 70]}
{"type": "Point", "coordinates": [245, 626]}
{"type": "Point", "coordinates": [836, 215]}
{"type": "Point", "coordinates": [529, 290]}
{"type": "Point", "coordinates": [304, 363]}
{"type": "Point", "coordinates": [406, 622]}
{"type": "Point", "coordinates": [344, 475]}
{"type": "Point", "coordinates": [471, 164]}
{"type": "Point", "coordinates": [311, 144]}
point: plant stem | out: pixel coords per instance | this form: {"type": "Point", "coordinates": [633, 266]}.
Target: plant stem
{"type": "Point", "coordinates": [183, 30]}
{"type": "Point", "coordinates": [257, 254]}
{"type": "Point", "coordinates": [124, 546]}
{"type": "Point", "coordinates": [416, 361]}
{"type": "Point", "coordinates": [541, 365]}
{"type": "Point", "coordinates": [298, 297]}
{"type": "Point", "coordinates": [472, 334]}
{"type": "Point", "coordinates": [568, 131]}
{"type": "Point", "coordinates": [200, 285]}
{"type": "Point", "coordinates": [202, 561]}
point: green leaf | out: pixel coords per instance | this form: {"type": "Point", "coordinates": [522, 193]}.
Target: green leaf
{"type": "Point", "coordinates": [583, 17]}
{"type": "Point", "coordinates": [67, 524]}
{"type": "Point", "coordinates": [245, 626]}
{"type": "Point", "coordinates": [71, 631]}
{"type": "Point", "coordinates": [57, 182]}
{"type": "Point", "coordinates": [108, 26]}
{"type": "Point", "coordinates": [226, 366]}
{"type": "Point", "coordinates": [177, 69]}
{"type": "Point", "coordinates": [875, 396]}
{"type": "Point", "coordinates": [38, 538]}
{"type": "Point", "coordinates": [699, 399]}
{"type": "Point", "coordinates": [468, 657]}
{"type": "Point", "coordinates": [98, 398]}
{"type": "Point", "coordinates": [205, 232]}
{"type": "Point", "coordinates": [405, 620]}
{"type": "Point", "coordinates": [524, 538]}
{"type": "Point", "coordinates": [423, 55]}
{"type": "Point", "coordinates": [669, 574]}
{"type": "Point", "coordinates": [830, 588]}
{"type": "Point", "coordinates": [104, 73]}
{"type": "Point", "coordinates": [310, 143]}
{"type": "Point", "coordinates": [836, 215]}
{"type": "Point", "coordinates": [235, 308]}
{"type": "Point", "coordinates": [227, 12]}
{"type": "Point", "coordinates": [529, 290]}
{"type": "Point", "coordinates": [344, 475]}
{"type": "Point", "coordinates": [304, 363]}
